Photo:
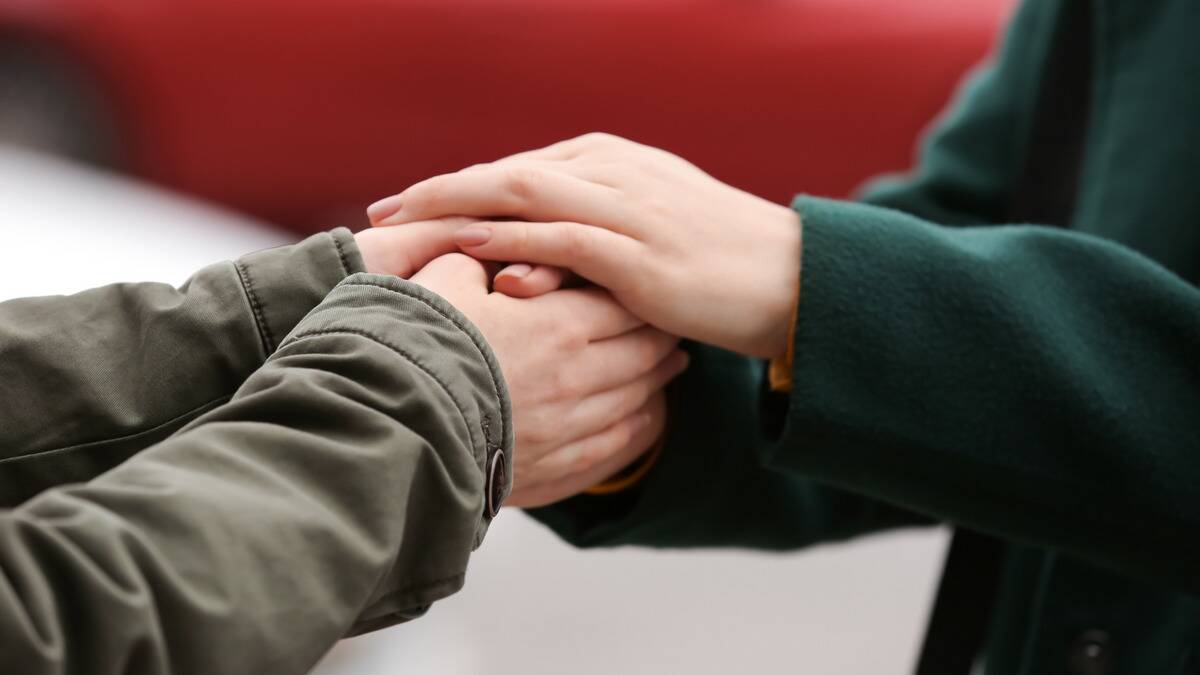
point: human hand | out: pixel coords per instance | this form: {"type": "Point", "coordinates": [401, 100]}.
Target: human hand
{"type": "Point", "coordinates": [397, 252]}
{"type": "Point", "coordinates": [680, 249]}
{"type": "Point", "coordinates": [584, 375]}
{"type": "Point", "coordinates": [401, 251]}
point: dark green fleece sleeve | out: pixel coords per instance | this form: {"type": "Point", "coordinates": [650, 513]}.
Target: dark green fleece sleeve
{"type": "Point", "coordinates": [89, 379]}
{"type": "Point", "coordinates": [340, 489]}
{"type": "Point", "coordinates": [1039, 384]}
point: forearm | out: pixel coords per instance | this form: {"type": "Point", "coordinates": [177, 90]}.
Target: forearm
{"type": "Point", "coordinates": [343, 484]}
{"type": "Point", "coordinates": [89, 379]}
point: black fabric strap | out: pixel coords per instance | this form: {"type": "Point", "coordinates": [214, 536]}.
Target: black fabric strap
{"type": "Point", "coordinates": [965, 600]}
{"type": "Point", "coordinates": [1046, 194]}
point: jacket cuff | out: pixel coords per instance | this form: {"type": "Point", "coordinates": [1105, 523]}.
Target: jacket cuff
{"type": "Point", "coordinates": [439, 340]}
{"type": "Point", "coordinates": [865, 360]}
{"type": "Point", "coordinates": [283, 284]}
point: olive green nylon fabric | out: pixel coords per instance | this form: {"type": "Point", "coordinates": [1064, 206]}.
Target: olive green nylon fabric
{"type": "Point", "coordinates": [1037, 384]}
{"type": "Point", "coordinates": [87, 380]}
{"type": "Point", "coordinates": [299, 455]}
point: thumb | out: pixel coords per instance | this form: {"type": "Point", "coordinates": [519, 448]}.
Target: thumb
{"type": "Point", "coordinates": [401, 250]}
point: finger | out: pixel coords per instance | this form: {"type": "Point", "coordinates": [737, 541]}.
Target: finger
{"type": "Point", "coordinates": [404, 250]}
{"type": "Point", "coordinates": [590, 169]}
{"type": "Point", "coordinates": [599, 255]}
{"type": "Point", "coordinates": [529, 192]}
{"type": "Point", "coordinates": [527, 281]}
{"type": "Point", "coordinates": [609, 363]}
{"type": "Point", "coordinates": [591, 311]}
{"type": "Point", "coordinates": [454, 276]}
{"type": "Point", "coordinates": [383, 208]}
{"type": "Point", "coordinates": [598, 411]}
{"type": "Point", "coordinates": [592, 460]}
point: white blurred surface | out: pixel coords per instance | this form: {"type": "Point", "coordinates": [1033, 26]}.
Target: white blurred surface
{"type": "Point", "coordinates": [531, 605]}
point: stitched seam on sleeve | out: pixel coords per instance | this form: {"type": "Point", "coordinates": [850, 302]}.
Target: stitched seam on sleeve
{"type": "Point", "coordinates": [422, 585]}
{"type": "Point", "coordinates": [392, 596]}
{"type": "Point", "coordinates": [264, 331]}
{"type": "Point", "coordinates": [182, 417]}
{"type": "Point", "coordinates": [406, 356]}
{"type": "Point", "coordinates": [341, 256]}
{"type": "Point", "coordinates": [464, 331]}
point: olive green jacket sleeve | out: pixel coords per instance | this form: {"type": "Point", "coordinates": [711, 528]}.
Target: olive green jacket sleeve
{"type": "Point", "coordinates": [89, 379]}
{"type": "Point", "coordinates": [340, 489]}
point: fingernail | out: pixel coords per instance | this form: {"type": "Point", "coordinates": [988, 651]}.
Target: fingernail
{"type": "Point", "coordinates": [518, 271]}
{"type": "Point", "coordinates": [473, 236]}
{"type": "Point", "coordinates": [388, 206]}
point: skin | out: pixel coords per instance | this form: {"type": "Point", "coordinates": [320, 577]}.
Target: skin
{"type": "Point", "coordinates": [688, 254]}
{"type": "Point", "coordinates": [584, 374]}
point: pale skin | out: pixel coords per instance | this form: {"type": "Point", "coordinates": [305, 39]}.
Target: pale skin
{"type": "Point", "coordinates": [688, 254]}
{"type": "Point", "coordinates": [585, 375]}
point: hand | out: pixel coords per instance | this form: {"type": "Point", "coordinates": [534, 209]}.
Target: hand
{"type": "Point", "coordinates": [585, 377]}
{"type": "Point", "coordinates": [685, 252]}
{"type": "Point", "coordinates": [401, 251]}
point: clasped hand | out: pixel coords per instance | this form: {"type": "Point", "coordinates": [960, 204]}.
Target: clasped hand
{"type": "Point", "coordinates": [671, 252]}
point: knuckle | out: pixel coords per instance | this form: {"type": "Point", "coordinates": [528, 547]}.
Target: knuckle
{"type": "Point", "coordinates": [652, 350]}
{"type": "Point", "coordinates": [424, 197]}
{"type": "Point", "coordinates": [522, 182]}
{"type": "Point", "coordinates": [659, 208]}
{"type": "Point", "coordinates": [457, 222]}
{"type": "Point", "coordinates": [567, 385]}
{"type": "Point", "coordinates": [576, 243]}
{"type": "Point", "coordinates": [520, 237]}
{"type": "Point", "coordinates": [590, 456]}
{"type": "Point", "coordinates": [637, 395]}
{"type": "Point", "coordinates": [623, 434]}
{"type": "Point", "coordinates": [580, 331]}
{"type": "Point", "coordinates": [600, 138]}
{"type": "Point", "coordinates": [534, 437]}
{"type": "Point", "coordinates": [538, 430]}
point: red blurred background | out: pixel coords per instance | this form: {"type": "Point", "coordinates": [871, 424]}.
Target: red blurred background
{"type": "Point", "coordinates": [302, 112]}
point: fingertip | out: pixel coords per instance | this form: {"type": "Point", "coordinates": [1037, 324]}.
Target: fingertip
{"type": "Point", "coordinates": [679, 362]}
{"type": "Point", "coordinates": [518, 286]}
{"type": "Point", "coordinates": [384, 208]}
{"type": "Point", "coordinates": [685, 359]}
{"type": "Point", "coordinates": [517, 271]}
{"type": "Point", "coordinates": [527, 281]}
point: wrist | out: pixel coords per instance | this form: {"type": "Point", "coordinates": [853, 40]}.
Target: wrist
{"type": "Point", "coordinates": [783, 288]}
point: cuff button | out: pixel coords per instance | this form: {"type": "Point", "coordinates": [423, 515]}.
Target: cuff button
{"type": "Point", "coordinates": [497, 479]}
